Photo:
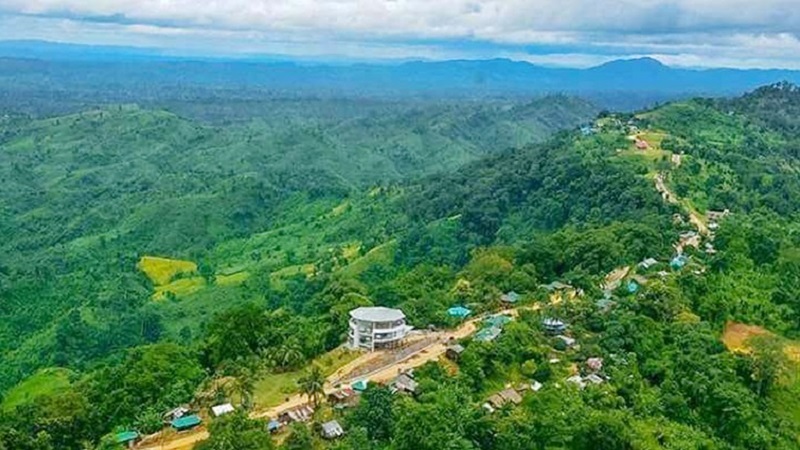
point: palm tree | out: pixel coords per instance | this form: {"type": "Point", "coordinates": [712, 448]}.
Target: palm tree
{"type": "Point", "coordinates": [244, 386]}
{"type": "Point", "coordinates": [312, 384]}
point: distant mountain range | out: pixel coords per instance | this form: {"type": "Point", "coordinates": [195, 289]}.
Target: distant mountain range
{"type": "Point", "coordinates": [622, 84]}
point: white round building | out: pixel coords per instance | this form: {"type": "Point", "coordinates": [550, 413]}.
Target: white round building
{"type": "Point", "coordinates": [377, 327]}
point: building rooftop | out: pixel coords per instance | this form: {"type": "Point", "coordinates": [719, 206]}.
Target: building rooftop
{"type": "Point", "coordinates": [126, 436]}
{"type": "Point", "coordinates": [186, 422]}
{"type": "Point", "coordinates": [220, 410]}
{"type": "Point", "coordinates": [377, 314]}
{"type": "Point", "coordinates": [332, 429]}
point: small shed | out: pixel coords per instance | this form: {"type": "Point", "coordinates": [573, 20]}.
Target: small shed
{"type": "Point", "coordinates": [568, 341]}
{"type": "Point", "coordinates": [678, 262]}
{"type": "Point", "coordinates": [632, 287]}
{"type": "Point", "coordinates": [404, 383]}
{"type": "Point", "coordinates": [186, 422]}
{"type": "Point", "coordinates": [595, 364]}
{"type": "Point", "coordinates": [556, 286]}
{"type": "Point", "coordinates": [343, 397]}
{"type": "Point", "coordinates": [454, 352]}
{"type": "Point", "coordinates": [176, 413]}
{"type": "Point", "coordinates": [536, 386]}
{"type": "Point", "coordinates": [554, 326]}
{"type": "Point", "coordinates": [332, 430]}
{"type": "Point", "coordinates": [497, 320]}
{"type": "Point", "coordinates": [510, 297]}
{"type": "Point", "coordinates": [488, 334]}
{"type": "Point", "coordinates": [648, 263]}
{"type": "Point", "coordinates": [459, 312]}
{"type": "Point", "coordinates": [127, 438]}
{"type": "Point", "coordinates": [360, 385]}
{"type": "Point", "coordinates": [221, 410]}
{"type": "Point", "coordinates": [274, 426]}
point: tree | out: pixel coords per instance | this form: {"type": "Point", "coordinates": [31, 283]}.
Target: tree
{"type": "Point", "coordinates": [767, 362]}
{"type": "Point", "coordinates": [237, 432]}
{"type": "Point", "coordinates": [375, 413]}
{"type": "Point", "coordinates": [312, 385]}
{"type": "Point", "coordinates": [299, 439]}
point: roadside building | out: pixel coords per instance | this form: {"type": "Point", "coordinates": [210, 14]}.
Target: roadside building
{"type": "Point", "coordinates": [374, 328]}
{"type": "Point", "coordinates": [488, 334]}
{"type": "Point", "coordinates": [554, 326]}
{"type": "Point", "coordinates": [510, 298]}
{"type": "Point", "coordinates": [274, 426]}
{"type": "Point", "coordinates": [459, 312]}
{"type": "Point", "coordinates": [186, 422]}
{"type": "Point", "coordinates": [221, 410]}
{"type": "Point", "coordinates": [127, 438]}
{"type": "Point", "coordinates": [343, 398]}
{"type": "Point", "coordinates": [176, 413]}
{"type": "Point", "coordinates": [332, 430]}
{"type": "Point", "coordinates": [453, 352]}
{"type": "Point", "coordinates": [404, 383]}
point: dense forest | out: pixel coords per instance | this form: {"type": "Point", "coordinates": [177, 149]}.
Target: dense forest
{"type": "Point", "coordinates": [151, 257]}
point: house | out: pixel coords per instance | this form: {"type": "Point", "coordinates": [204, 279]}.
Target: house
{"type": "Point", "coordinates": [488, 334]}
{"type": "Point", "coordinates": [273, 426]}
{"type": "Point", "coordinates": [459, 312]}
{"type": "Point", "coordinates": [716, 216]}
{"type": "Point", "coordinates": [344, 397]}
{"type": "Point", "coordinates": [454, 352]}
{"type": "Point", "coordinates": [594, 378]}
{"type": "Point", "coordinates": [510, 297]}
{"type": "Point", "coordinates": [127, 438]}
{"type": "Point", "coordinates": [556, 286]}
{"type": "Point", "coordinates": [568, 341]}
{"type": "Point", "coordinates": [176, 413]}
{"type": "Point", "coordinates": [594, 364]}
{"type": "Point", "coordinates": [221, 410]}
{"type": "Point", "coordinates": [632, 287]}
{"type": "Point", "coordinates": [641, 144]}
{"type": "Point", "coordinates": [577, 381]}
{"type": "Point", "coordinates": [503, 397]}
{"type": "Point", "coordinates": [376, 327]}
{"type": "Point", "coordinates": [648, 263]}
{"type": "Point", "coordinates": [360, 385]}
{"type": "Point", "coordinates": [497, 320]}
{"type": "Point", "coordinates": [554, 326]}
{"type": "Point", "coordinates": [186, 422]}
{"type": "Point", "coordinates": [536, 386]}
{"type": "Point", "coordinates": [678, 262]}
{"type": "Point", "coordinates": [404, 383]}
{"type": "Point", "coordinates": [300, 414]}
{"type": "Point", "coordinates": [332, 430]}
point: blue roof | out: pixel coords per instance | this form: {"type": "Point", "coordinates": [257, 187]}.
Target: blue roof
{"type": "Point", "coordinates": [633, 286]}
{"type": "Point", "coordinates": [360, 385]}
{"type": "Point", "coordinates": [186, 422]}
{"type": "Point", "coordinates": [126, 436]}
{"type": "Point", "coordinates": [459, 311]}
{"type": "Point", "coordinates": [273, 425]}
{"type": "Point", "coordinates": [679, 261]}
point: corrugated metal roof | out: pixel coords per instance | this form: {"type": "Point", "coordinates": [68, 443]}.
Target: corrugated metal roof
{"type": "Point", "coordinates": [377, 314]}
{"type": "Point", "coordinates": [186, 422]}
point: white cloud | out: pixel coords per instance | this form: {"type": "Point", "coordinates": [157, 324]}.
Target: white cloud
{"type": "Point", "coordinates": [567, 31]}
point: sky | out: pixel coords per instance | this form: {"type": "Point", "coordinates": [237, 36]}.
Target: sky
{"type": "Point", "coordinates": [566, 33]}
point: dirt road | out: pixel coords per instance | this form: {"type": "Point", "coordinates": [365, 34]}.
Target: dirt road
{"type": "Point", "coordinates": [428, 353]}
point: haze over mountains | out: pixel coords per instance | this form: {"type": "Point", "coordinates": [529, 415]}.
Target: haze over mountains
{"type": "Point", "coordinates": [134, 74]}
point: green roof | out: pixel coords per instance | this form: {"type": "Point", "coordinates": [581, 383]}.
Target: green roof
{"type": "Point", "coordinates": [126, 436]}
{"type": "Point", "coordinates": [186, 422]}
{"type": "Point", "coordinates": [360, 385]}
{"type": "Point", "coordinates": [459, 311]}
{"type": "Point", "coordinates": [497, 321]}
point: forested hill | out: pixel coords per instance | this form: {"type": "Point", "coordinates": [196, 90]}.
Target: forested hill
{"type": "Point", "coordinates": [209, 263]}
{"type": "Point", "coordinates": [85, 195]}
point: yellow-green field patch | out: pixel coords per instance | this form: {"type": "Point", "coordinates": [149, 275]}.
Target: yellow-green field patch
{"type": "Point", "coordinates": [233, 279]}
{"type": "Point", "coordinates": [42, 383]}
{"type": "Point", "coordinates": [180, 287]}
{"type": "Point", "coordinates": [350, 251]}
{"type": "Point", "coordinates": [162, 271]}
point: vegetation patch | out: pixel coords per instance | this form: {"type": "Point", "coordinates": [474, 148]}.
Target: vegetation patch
{"type": "Point", "coordinates": [43, 383]}
{"type": "Point", "coordinates": [736, 337]}
{"type": "Point", "coordinates": [162, 271]}
{"type": "Point", "coordinates": [180, 287]}
{"type": "Point", "coordinates": [233, 279]}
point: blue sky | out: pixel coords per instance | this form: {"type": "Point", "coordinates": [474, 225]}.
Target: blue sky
{"type": "Point", "coordinates": [575, 33]}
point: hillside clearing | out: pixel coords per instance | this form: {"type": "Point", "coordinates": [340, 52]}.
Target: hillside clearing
{"type": "Point", "coordinates": [43, 383]}
{"type": "Point", "coordinates": [161, 271]}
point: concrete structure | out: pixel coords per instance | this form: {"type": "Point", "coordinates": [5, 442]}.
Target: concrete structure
{"type": "Point", "coordinates": [375, 328]}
